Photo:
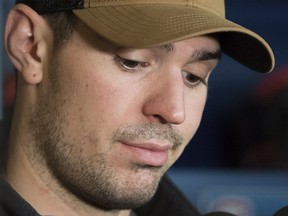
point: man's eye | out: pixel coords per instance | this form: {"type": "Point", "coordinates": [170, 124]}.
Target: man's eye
{"type": "Point", "coordinates": [193, 80]}
{"type": "Point", "coordinates": [128, 64]}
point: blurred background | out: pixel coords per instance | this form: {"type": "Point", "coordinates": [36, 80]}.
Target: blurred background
{"type": "Point", "coordinates": [238, 160]}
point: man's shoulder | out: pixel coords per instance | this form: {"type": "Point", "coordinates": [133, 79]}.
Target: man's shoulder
{"type": "Point", "coordinates": [3, 212]}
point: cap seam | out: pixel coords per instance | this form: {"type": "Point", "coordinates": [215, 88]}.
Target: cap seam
{"type": "Point", "coordinates": [188, 3]}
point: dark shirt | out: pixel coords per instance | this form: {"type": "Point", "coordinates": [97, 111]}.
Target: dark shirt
{"type": "Point", "coordinates": [12, 204]}
{"type": "Point", "coordinates": [168, 201]}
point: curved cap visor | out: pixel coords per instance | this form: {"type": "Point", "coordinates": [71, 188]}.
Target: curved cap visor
{"type": "Point", "coordinates": [146, 25]}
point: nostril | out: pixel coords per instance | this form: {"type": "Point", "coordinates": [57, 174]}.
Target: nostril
{"type": "Point", "coordinates": [170, 118]}
{"type": "Point", "coordinates": [161, 119]}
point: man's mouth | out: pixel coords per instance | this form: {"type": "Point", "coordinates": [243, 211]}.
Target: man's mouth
{"type": "Point", "coordinates": [149, 153]}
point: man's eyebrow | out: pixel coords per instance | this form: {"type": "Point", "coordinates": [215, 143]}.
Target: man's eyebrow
{"type": "Point", "coordinates": [204, 54]}
{"type": "Point", "coordinates": [167, 47]}
{"type": "Point", "coordinates": [200, 55]}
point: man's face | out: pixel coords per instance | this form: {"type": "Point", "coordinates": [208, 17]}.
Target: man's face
{"type": "Point", "coordinates": [110, 121]}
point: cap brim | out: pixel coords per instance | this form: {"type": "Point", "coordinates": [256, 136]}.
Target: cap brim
{"type": "Point", "coordinates": [143, 26]}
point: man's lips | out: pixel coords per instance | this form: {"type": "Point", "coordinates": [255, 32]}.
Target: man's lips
{"type": "Point", "coordinates": [148, 153]}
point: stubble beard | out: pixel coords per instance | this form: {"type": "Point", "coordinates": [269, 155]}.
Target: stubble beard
{"type": "Point", "coordinates": [93, 180]}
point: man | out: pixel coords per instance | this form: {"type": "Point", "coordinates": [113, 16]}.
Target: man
{"type": "Point", "coordinates": [109, 93]}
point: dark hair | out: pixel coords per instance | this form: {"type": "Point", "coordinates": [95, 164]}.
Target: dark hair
{"type": "Point", "coordinates": [61, 23]}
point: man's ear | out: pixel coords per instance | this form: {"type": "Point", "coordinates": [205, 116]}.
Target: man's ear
{"type": "Point", "coordinates": [26, 41]}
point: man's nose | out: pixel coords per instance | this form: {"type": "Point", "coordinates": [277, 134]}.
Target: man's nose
{"type": "Point", "coordinates": [165, 102]}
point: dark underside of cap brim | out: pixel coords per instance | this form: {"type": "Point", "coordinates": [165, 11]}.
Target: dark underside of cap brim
{"type": "Point", "coordinates": [144, 26]}
{"type": "Point", "coordinates": [247, 50]}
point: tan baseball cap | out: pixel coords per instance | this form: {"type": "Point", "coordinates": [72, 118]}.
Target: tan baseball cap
{"type": "Point", "coordinates": [151, 23]}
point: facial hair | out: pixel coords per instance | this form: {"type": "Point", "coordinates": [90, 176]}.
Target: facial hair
{"type": "Point", "coordinates": [93, 179]}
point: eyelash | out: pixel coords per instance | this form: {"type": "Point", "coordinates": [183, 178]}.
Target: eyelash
{"type": "Point", "coordinates": [193, 84]}
{"type": "Point", "coordinates": [122, 62]}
